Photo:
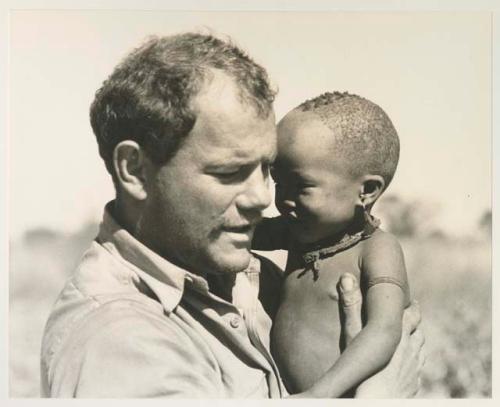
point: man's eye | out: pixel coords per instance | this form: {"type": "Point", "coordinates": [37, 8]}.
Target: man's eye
{"type": "Point", "coordinates": [228, 174]}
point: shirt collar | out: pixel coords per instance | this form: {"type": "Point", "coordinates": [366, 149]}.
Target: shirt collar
{"type": "Point", "coordinates": [164, 278]}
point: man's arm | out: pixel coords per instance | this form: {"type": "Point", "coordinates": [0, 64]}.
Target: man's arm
{"type": "Point", "coordinates": [400, 378]}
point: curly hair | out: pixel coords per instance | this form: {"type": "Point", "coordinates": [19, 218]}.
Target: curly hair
{"type": "Point", "coordinates": [147, 97]}
{"type": "Point", "coordinates": [364, 135]}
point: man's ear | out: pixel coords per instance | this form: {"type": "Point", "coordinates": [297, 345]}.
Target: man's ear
{"type": "Point", "coordinates": [372, 187]}
{"type": "Point", "coordinates": [129, 163]}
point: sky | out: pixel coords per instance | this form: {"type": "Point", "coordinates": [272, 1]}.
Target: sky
{"type": "Point", "coordinates": [431, 73]}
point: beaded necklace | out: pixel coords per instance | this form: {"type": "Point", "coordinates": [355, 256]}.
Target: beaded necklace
{"type": "Point", "coordinates": [312, 257]}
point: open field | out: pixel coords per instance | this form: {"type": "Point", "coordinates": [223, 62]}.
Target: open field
{"type": "Point", "coordinates": [451, 280]}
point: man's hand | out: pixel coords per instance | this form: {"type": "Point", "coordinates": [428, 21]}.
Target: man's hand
{"type": "Point", "coordinates": [401, 377]}
{"type": "Point", "coordinates": [350, 308]}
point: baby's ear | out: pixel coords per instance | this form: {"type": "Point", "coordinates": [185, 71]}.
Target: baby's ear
{"type": "Point", "coordinates": [372, 187]}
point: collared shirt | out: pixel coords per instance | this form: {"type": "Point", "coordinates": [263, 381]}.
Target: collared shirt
{"type": "Point", "coordinates": [131, 324]}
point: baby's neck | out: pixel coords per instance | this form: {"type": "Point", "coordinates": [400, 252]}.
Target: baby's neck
{"type": "Point", "coordinates": [356, 226]}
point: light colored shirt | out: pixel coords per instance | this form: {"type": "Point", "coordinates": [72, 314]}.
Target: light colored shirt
{"type": "Point", "coordinates": [129, 323]}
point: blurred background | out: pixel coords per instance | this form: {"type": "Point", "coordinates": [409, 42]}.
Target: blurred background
{"type": "Point", "coordinates": [431, 73]}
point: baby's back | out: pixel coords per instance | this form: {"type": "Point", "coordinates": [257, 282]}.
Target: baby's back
{"type": "Point", "coordinates": [306, 335]}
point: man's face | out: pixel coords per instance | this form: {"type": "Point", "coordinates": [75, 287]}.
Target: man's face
{"type": "Point", "coordinates": [203, 205]}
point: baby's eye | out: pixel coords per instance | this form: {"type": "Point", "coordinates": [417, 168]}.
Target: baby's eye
{"type": "Point", "coordinates": [304, 189]}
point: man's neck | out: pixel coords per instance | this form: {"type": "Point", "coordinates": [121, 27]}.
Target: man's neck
{"type": "Point", "coordinates": [222, 285]}
{"type": "Point", "coordinates": [125, 214]}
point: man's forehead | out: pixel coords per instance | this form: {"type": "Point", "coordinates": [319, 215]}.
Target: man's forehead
{"type": "Point", "coordinates": [216, 85]}
{"type": "Point", "coordinates": [227, 127]}
{"type": "Point", "coordinates": [221, 89]}
{"type": "Point", "coordinates": [236, 148]}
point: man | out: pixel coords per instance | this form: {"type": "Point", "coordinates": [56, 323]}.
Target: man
{"type": "Point", "coordinates": [169, 301]}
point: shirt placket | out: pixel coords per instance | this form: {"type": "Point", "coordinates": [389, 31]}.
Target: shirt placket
{"type": "Point", "coordinates": [231, 326]}
{"type": "Point", "coordinates": [245, 298]}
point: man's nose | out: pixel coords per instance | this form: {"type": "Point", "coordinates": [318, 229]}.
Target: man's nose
{"type": "Point", "coordinates": [256, 194]}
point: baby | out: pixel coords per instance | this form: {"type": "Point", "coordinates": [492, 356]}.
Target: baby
{"type": "Point", "coordinates": [337, 154]}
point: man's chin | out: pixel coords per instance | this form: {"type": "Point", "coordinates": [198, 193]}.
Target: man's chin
{"type": "Point", "coordinates": [232, 261]}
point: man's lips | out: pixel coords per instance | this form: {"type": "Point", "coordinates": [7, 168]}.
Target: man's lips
{"type": "Point", "coordinates": [240, 228]}
{"type": "Point", "coordinates": [240, 234]}
{"type": "Point", "coordinates": [244, 225]}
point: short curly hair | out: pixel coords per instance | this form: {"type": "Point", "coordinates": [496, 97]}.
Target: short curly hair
{"type": "Point", "coordinates": [147, 97]}
{"type": "Point", "coordinates": [365, 137]}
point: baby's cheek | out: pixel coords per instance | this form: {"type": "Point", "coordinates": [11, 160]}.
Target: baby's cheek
{"type": "Point", "coordinates": [314, 204]}
{"type": "Point", "coordinates": [312, 211]}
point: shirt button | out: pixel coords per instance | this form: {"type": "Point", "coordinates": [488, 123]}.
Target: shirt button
{"type": "Point", "coordinates": [235, 321]}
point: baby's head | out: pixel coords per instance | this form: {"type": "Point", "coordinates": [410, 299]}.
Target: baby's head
{"type": "Point", "coordinates": [337, 153]}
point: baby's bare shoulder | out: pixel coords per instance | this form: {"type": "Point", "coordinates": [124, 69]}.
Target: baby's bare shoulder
{"type": "Point", "coordinates": [382, 261]}
{"type": "Point", "coordinates": [382, 255]}
{"type": "Point", "coordinates": [381, 242]}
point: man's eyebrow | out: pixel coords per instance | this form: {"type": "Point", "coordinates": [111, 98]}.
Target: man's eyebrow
{"type": "Point", "coordinates": [234, 162]}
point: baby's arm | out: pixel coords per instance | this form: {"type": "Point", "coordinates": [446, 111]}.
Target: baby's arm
{"type": "Point", "coordinates": [271, 234]}
{"type": "Point", "coordinates": [382, 265]}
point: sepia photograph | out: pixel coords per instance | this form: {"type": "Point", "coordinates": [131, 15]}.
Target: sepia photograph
{"type": "Point", "coordinates": [249, 204]}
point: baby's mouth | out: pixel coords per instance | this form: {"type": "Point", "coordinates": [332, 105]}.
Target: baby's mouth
{"type": "Point", "coordinates": [291, 216]}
